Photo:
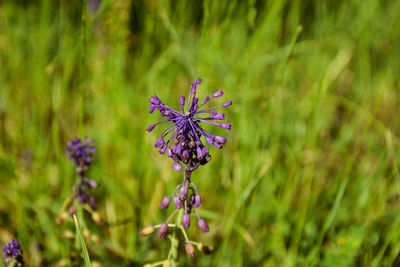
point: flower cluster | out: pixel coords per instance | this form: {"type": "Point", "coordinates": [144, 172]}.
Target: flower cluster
{"type": "Point", "coordinates": [182, 139]}
{"type": "Point", "coordinates": [12, 254]}
{"type": "Point", "coordinates": [80, 152]}
{"type": "Point", "coordinates": [183, 143]}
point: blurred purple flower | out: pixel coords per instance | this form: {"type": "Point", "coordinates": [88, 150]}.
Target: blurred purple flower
{"type": "Point", "coordinates": [80, 153]}
{"type": "Point", "coordinates": [12, 254]}
{"type": "Point", "coordinates": [93, 5]}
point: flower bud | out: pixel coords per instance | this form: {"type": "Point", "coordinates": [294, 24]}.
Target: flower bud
{"type": "Point", "coordinates": [150, 128]}
{"type": "Point", "coordinates": [159, 142]}
{"type": "Point", "coordinates": [182, 100]}
{"type": "Point", "coordinates": [92, 202]}
{"type": "Point", "coordinates": [176, 166]}
{"type": "Point", "coordinates": [185, 154]}
{"type": "Point", "coordinates": [147, 230]}
{"type": "Point", "coordinates": [186, 220]}
{"type": "Point", "coordinates": [178, 203]}
{"type": "Point", "coordinates": [163, 230]}
{"type": "Point", "coordinates": [183, 192]}
{"type": "Point", "coordinates": [165, 203]}
{"type": "Point", "coordinates": [155, 100]}
{"type": "Point", "coordinates": [166, 263]}
{"type": "Point", "coordinates": [205, 150]}
{"type": "Point", "coordinates": [92, 183]}
{"type": "Point", "coordinates": [197, 201]}
{"type": "Point", "coordinates": [203, 225]}
{"type": "Point", "coordinates": [226, 125]}
{"type": "Point", "coordinates": [199, 153]}
{"type": "Point", "coordinates": [228, 103]}
{"type": "Point", "coordinates": [162, 149]}
{"type": "Point", "coordinates": [218, 93]}
{"type": "Point", "coordinates": [205, 249]}
{"type": "Point", "coordinates": [190, 250]}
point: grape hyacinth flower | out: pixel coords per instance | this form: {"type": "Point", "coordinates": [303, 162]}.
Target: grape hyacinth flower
{"type": "Point", "coordinates": [12, 254]}
{"type": "Point", "coordinates": [185, 141]}
{"type": "Point", "coordinates": [80, 152]}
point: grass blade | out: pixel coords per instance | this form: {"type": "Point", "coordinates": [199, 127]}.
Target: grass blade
{"type": "Point", "coordinates": [83, 244]}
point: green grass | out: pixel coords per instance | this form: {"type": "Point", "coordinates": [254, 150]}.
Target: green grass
{"type": "Point", "coordinates": [309, 176]}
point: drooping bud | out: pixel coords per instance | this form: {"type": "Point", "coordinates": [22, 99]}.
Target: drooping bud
{"type": "Point", "coordinates": [220, 139]}
{"type": "Point", "coordinates": [178, 203]}
{"type": "Point", "coordinates": [163, 230]}
{"type": "Point", "coordinates": [159, 142]}
{"type": "Point", "coordinates": [203, 225]}
{"type": "Point", "coordinates": [185, 154]}
{"type": "Point", "coordinates": [183, 192]}
{"type": "Point", "coordinates": [92, 183]}
{"type": "Point", "coordinates": [162, 149]}
{"type": "Point", "coordinates": [176, 166]}
{"type": "Point", "coordinates": [205, 150]}
{"type": "Point", "coordinates": [197, 201]}
{"type": "Point", "coordinates": [199, 153]}
{"type": "Point", "coordinates": [147, 230]}
{"type": "Point", "coordinates": [186, 220]}
{"type": "Point", "coordinates": [190, 250]}
{"type": "Point", "coordinates": [165, 203]}
{"type": "Point", "coordinates": [92, 202]}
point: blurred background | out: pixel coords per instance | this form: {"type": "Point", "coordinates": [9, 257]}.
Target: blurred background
{"type": "Point", "coordinates": [310, 173]}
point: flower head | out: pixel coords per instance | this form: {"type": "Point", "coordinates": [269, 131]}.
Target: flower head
{"type": "Point", "coordinates": [80, 153]}
{"type": "Point", "coordinates": [12, 254]}
{"type": "Point", "coordinates": [182, 139]}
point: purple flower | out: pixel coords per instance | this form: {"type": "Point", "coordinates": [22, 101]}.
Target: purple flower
{"type": "Point", "coordinates": [80, 153]}
{"type": "Point", "coordinates": [12, 254]}
{"type": "Point", "coordinates": [182, 139]}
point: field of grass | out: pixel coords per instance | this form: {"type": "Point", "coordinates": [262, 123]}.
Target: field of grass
{"type": "Point", "coordinates": [310, 173]}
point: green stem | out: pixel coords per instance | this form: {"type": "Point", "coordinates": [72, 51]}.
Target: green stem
{"type": "Point", "coordinates": [82, 70]}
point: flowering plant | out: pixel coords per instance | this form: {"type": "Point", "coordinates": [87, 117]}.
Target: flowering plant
{"type": "Point", "coordinates": [182, 140]}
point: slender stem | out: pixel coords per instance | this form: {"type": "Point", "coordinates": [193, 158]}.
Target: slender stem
{"type": "Point", "coordinates": [184, 234]}
{"type": "Point", "coordinates": [82, 71]}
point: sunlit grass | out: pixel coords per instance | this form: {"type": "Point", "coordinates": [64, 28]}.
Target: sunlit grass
{"type": "Point", "coordinates": [309, 175]}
